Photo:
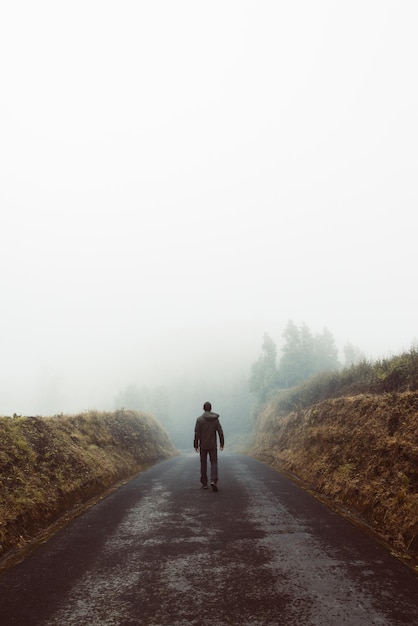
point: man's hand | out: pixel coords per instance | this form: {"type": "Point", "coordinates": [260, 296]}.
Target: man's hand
{"type": "Point", "coordinates": [222, 447]}
{"type": "Point", "coordinates": [197, 449]}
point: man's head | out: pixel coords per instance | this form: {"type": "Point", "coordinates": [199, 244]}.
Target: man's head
{"type": "Point", "coordinates": [207, 406]}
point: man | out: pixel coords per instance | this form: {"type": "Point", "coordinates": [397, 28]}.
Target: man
{"type": "Point", "coordinates": [207, 425]}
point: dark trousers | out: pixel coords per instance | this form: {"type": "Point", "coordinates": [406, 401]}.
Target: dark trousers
{"type": "Point", "coordinates": [213, 456]}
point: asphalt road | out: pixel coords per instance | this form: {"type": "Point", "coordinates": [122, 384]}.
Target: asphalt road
{"type": "Point", "coordinates": [161, 551]}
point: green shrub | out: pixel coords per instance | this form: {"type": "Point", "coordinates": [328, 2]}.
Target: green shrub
{"type": "Point", "coordinates": [394, 375]}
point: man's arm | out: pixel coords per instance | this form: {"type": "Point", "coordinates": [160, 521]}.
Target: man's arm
{"type": "Point", "coordinates": [196, 437]}
{"type": "Point", "coordinates": [221, 435]}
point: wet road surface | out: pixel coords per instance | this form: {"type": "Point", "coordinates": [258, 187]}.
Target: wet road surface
{"type": "Point", "coordinates": [161, 551]}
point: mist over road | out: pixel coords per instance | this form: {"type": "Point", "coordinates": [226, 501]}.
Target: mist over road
{"type": "Point", "coordinates": [161, 551]}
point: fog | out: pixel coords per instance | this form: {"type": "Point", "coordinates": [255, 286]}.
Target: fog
{"type": "Point", "coordinates": [177, 178]}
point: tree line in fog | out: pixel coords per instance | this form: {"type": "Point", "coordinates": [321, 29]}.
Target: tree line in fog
{"type": "Point", "coordinates": [303, 355]}
{"type": "Point", "coordinates": [236, 397]}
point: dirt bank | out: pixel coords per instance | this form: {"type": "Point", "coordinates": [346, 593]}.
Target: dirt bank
{"type": "Point", "coordinates": [360, 452]}
{"type": "Point", "coordinates": [52, 466]}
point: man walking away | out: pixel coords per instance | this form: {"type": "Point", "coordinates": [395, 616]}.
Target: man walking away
{"type": "Point", "coordinates": [207, 425]}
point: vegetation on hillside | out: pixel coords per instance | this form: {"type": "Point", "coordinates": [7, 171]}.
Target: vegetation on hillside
{"type": "Point", "coordinates": [351, 435]}
{"type": "Point", "coordinates": [48, 466]}
{"type": "Point", "coordinates": [391, 375]}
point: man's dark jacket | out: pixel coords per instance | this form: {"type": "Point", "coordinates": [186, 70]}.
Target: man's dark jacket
{"type": "Point", "coordinates": [207, 425]}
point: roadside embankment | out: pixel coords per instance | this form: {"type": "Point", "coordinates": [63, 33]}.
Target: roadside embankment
{"type": "Point", "coordinates": [52, 466]}
{"type": "Point", "coordinates": [360, 452]}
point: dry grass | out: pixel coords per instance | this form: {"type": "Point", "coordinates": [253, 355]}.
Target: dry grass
{"type": "Point", "coordinates": [359, 451]}
{"type": "Point", "coordinates": [48, 466]}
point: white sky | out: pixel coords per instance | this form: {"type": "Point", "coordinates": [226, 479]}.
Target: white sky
{"type": "Point", "coordinates": [178, 177]}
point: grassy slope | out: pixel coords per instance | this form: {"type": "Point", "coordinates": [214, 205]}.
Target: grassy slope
{"type": "Point", "coordinates": [49, 466]}
{"type": "Point", "coordinates": [361, 452]}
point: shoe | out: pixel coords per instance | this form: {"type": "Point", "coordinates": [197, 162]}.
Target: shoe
{"type": "Point", "coordinates": [214, 486]}
{"type": "Point", "coordinates": [204, 486]}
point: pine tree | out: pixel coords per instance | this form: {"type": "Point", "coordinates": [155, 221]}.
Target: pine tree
{"type": "Point", "coordinates": [263, 378]}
